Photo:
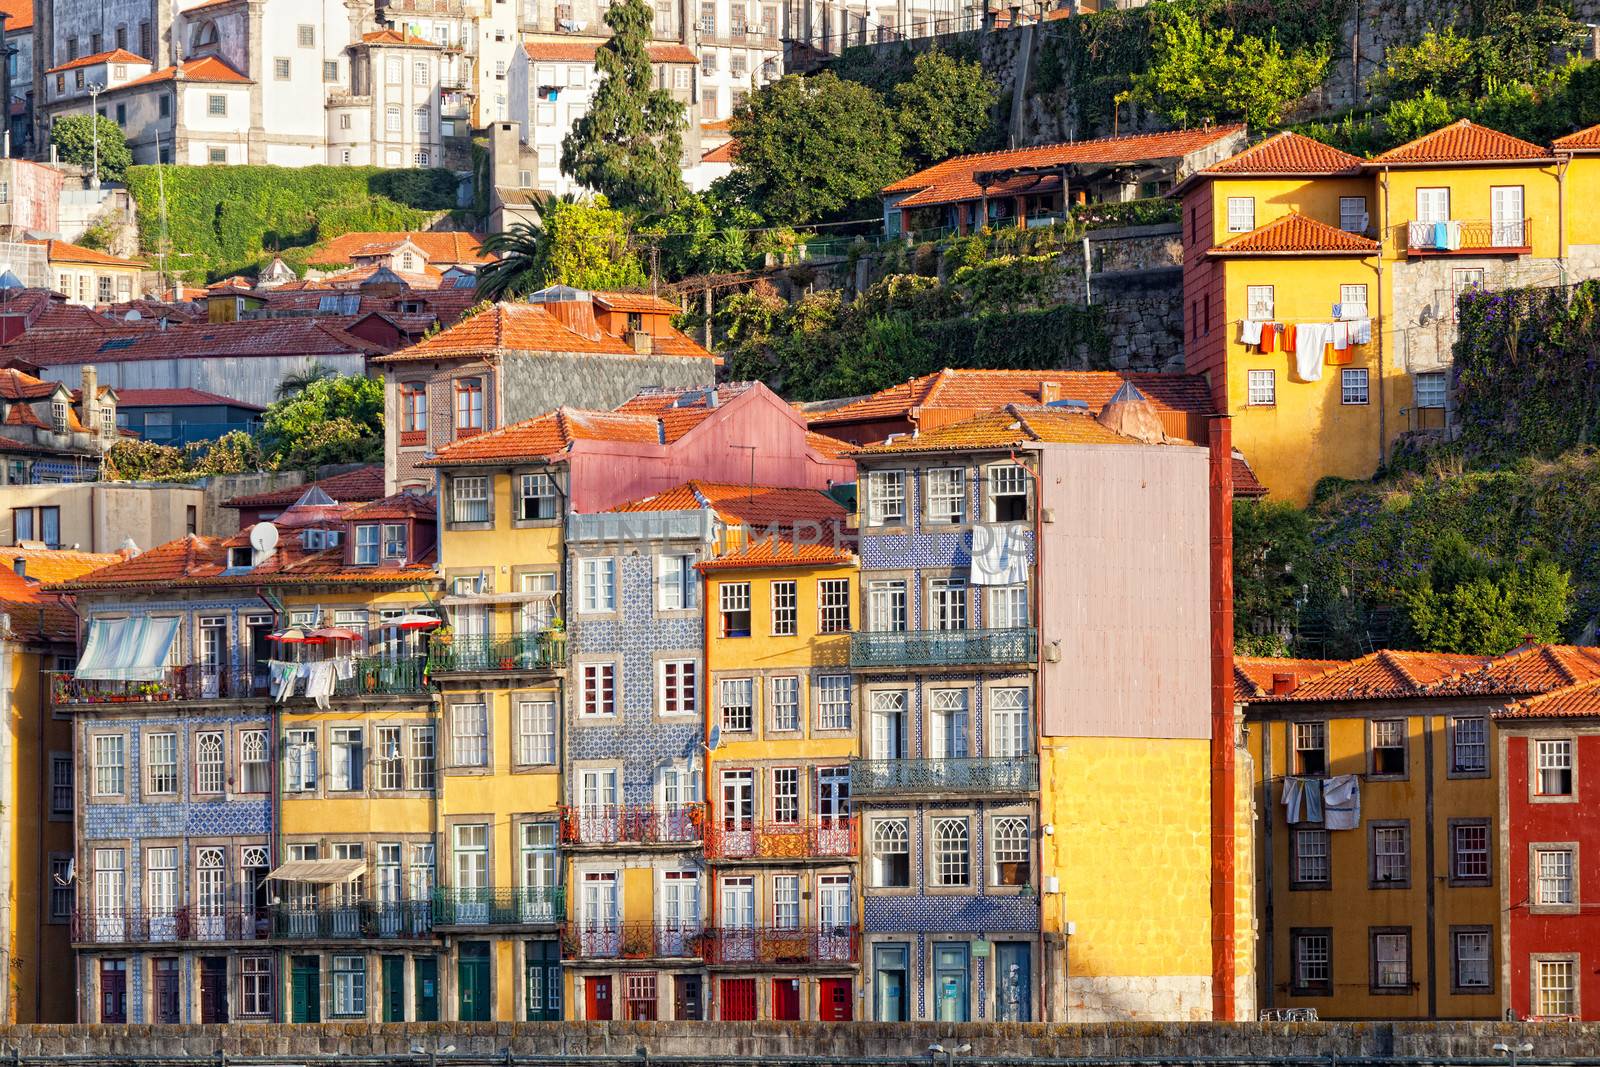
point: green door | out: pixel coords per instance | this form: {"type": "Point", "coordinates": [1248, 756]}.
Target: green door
{"type": "Point", "coordinates": [394, 989]}
{"type": "Point", "coordinates": [425, 972]}
{"type": "Point", "coordinates": [472, 982]}
{"type": "Point", "coordinates": [543, 983]}
{"type": "Point", "coordinates": [305, 993]}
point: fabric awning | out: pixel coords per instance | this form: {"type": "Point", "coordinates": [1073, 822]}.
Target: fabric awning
{"type": "Point", "coordinates": [127, 650]}
{"type": "Point", "coordinates": [459, 600]}
{"type": "Point", "coordinates": [322, 872]}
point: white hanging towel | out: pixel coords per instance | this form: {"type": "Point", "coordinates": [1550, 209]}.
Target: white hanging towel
{"type": "Point", "coordinates": [1294, 797]}
{"type": "Point", "coordinates": [999, 555]}
{"type": "Point", "coordinates": [1342, 802]}
{"type": "Point", "coordinates": [1361, 332]}
{"type": "Point", "coordinates": [1452, 235]}
{"type": "Point", "coordinates": [1250, 332]}
{"type": "Point", "coordinates": [1341, 336]}
{"type": "Point", "coordinates": [1310, 339]}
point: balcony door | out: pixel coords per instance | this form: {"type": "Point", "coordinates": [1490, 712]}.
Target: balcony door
{"type": "Point", "coordinates": [834, 914]}
{"type": "Point", "coordinates": [738, 919]}
{"type": "Point", "coordinates": [597, 813]}
{"type": "Point", "coordinates": [211, 895]}
{"type": "Point", "coordinates": [390, 887]}
{"type": "Point", "coordinates": [679, 913]}
{"type": "Point", "coordinates": [600, 932]}
{"type": "Point", "coordinates": [948, 722]}
{"type": "Point", "coordinates": [472, 873]}
{"type": "Point", "coordinates": [736, 817]}
{"type": "Point", "coordinates": [889, 724]}
{"type": "Point", "coordinates": [110, 894]}
{"type": "Point", "coordinates": [538, 903]}
{"type": "Point", "coordinates": [1506, 217]}
{"type": "Point", "coordinates": [1433, 205]}
{"type": "Point", "coordinates": [213, 654]}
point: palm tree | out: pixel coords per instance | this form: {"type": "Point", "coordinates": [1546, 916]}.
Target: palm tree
{"type": "Point", "coordinates": [297, 382]}
{"type": "Point", "coordinates": [521, 268]}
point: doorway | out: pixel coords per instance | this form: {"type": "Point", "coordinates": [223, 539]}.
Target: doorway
{"type": "Point", "coordinates": [786, 999]}
{"type": "Point", "coordinates": [425, 975]}
{"type": "Point", "coordinates": [686, 992]}
{"type": "Point", "coordinates": [168, 1005]}
{"type": "Point", "coordinates": [472, 980]}
{"type": "Point", "coordinates": [1013, 982]}
{"type": "Point", "coordinates": [950, 982]}
{"type": "Point", "coordinates": [738, 999]}
{"type": "Point", "coordinates": [305, 990]}
{"type": "Point", "coordinates": [835, 1000]}
{"type": "Point", "coordinates": [114, 991]}
{"type": "Point", "coordinates": [889, 986]}
{"type": "Point", "coordinates": [394, 989]}
{"type": "Point", "coordinates": [213, 989]}
{"type": "Point", "coordinates": [597, 998]}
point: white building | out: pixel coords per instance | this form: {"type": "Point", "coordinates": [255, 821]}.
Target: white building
{"type": "Point", "coordinates": [739, 49]}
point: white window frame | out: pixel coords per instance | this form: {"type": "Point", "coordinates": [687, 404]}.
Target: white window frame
{"type": "Point", "coordinates": [1241, 214]}
{"type": "Point", "coordinates": [1353, 216]}
{"type": "Point", "coordinates": [675, 582]}
{"type": "Point", "coordinates": [1354, 386]}
{"type": "Point", "coordinates": [736, 705]}
{"type": "Point", "coordinates": [784, 595]}
{"type": "Point", "coordinates": [1261, 388]}
{"type": "Point", "coordinates": [678, 687]}
{"type": "Point", "coordinates": [785, 703]}
{"type": "Point", "coordinates": [946, 489]}
{"type": "Point", "coordinates": [536, 732]}
{"type": "Point", "coordinates": [832, 712]}
{"type": "Point", "coordinates": [469, 734]}
{"type": "Point", "coordinates": [886, 498]}
{"type": "Point", "coordinates": [469, 499]}
{"type": "Point", "coordinates": [1259, 302]}
{"type": "Point", "coordinates": [597, 585]}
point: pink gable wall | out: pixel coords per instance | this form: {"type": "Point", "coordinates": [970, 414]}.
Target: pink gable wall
{"type": "Point", "coordinates": [605, 473]}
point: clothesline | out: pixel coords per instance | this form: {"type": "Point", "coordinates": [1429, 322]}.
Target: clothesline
{"type": "Point", "coordinates": [320, 676]}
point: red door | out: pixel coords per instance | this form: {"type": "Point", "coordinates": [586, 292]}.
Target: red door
{"type": "Point", "coordinates": [738, 999]}
{"type": "Point", "coordinates": [597, 999]}
{"type": "Point", "coordinates": [835, 1000]}
{"type": "Point", "coordinates": [786, 998]}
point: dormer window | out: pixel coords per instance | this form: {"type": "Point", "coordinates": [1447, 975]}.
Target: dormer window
{"type": "Point", "coordinates": [408, 261]}
{"type": "Point", "coordinates": [317, 540]}
{"type": "Point", "coordinates": [366, 544]}
{"type": "Point", "coordinates": [58, 415]}
{"type": "Point", "coordinates": [394, 540]}
{"type": "Point", "coordinates": [239, 556]}
{"type": "Point", "coordinates": [108, 421]}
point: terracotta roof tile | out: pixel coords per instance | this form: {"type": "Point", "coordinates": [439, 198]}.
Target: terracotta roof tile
{"type": "Point", "coordinates": [1585, 140]}
{"type": "Point", "coordinates": [22, 414]}
{"type": "Point", "coordinates": [549, 434]}
{"type": "Point", "coordinates": [195, 562]}
{"type": "Point", "coordinates": [1287, 154]}
{"type": "Point", "coordinates": [722, 153]}
{"type": "Point", "coordinates": [398, 506]}
{"type": "Point", "coordinates": [829, 447]}
{"type": "Point", "coordinates": [1012, 425]}
{"type": "Point", "coordinates": [441, 246]}
{"type": "Point", "coordinates": [1388, 674]}
{"type": "Point", "coordinates": [1253, 676]}
{"type": "Point", "coordinates": [15, 385]}
{"type": "Point", "coordinates": [397, 37]}
{"type": "Point", "coordinates": [660, 399]}
{"type": "Point", "coordinates": [67, 252]}
{"type": "Point", "coordinates": [582, 52]}
{"type": "Point", "coordinates": [116, 55]}
{"type": "Point", "coordinates": [177, 398]}
{"type": "Point", "coordinates": [1295, 234]}
{"type": "Point", "coordinates": [760, 506]}
{"type": "Point", "coordinates": [1580, 701]}
{"type": "Point", "coordinates": [1463, 141]}
{"type": "Point", "coordinates": [777, 552]}
{"type": "Point", "coordinates": [506, 328]}
{"type": "Point", "coordinates": [1245, 482]}
{"type": "Point", "coordinates": [640, 302]}
{"type": "Point", "coordinates": [20, 14]}
{"type": "Point", "coordinates": [190, 340]}
{"type": "Point", "coordinates": [351, 487]}
{"type": "Point", "coordinates": [955, 179]}
{"type": "Point", "coordinates": [204, 69]}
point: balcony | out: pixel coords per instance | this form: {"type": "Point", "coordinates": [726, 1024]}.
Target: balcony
{"type": "Point", "coordinates": [942, 648]}
{"type": "Point", "coordinates": [522, 906]}
{"type": "Point", "coordinates": [484, 654]}
{"type": "Point", "coordinates": [1474, 237]}
{"type": "Point", "coordinates": [782, 946]}
{"type": "Point", "coordinates": [135, 926]}
{"type": "Point", "coordinates": [605, 825]}
{"type": "Point", "coordinates": [632, 941]}
{"type": "Point", "coordinates": [981, 775]}
{"type": "Point", "coordinates": [371, 676]}
{"type": "Point", "coordinates": [354, 920]}
{"type": "Point", "coordinates": [780, 841]}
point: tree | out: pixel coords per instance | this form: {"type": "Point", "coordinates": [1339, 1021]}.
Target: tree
{"type": "Point", "coordinates": [520, 268]}
{"type": "Point", "coordinates": [1271, 542]}
{"type": "Point", "coordinates": [1198, 75]}
{"type": "Point", "coordinates": [629, 145]}
{"type": "Point", "coordinates": [581, 243]}
{"type": "Point", "coordinates": [74, 138]}
{"type": "Point", "coordinates": [814, 148]}
{"type": "Point", "coordinates": [315, 371]}
{"type": "Point", "coordinates": [710, 233]}
{"type": "Point", "coordinates": [1483, 607]}
{"type": "Point", "coordinates": [331, 420]}
{"type": "Point", "coordinates": [942, 110]}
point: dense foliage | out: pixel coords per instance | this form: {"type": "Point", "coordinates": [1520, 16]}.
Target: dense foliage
{"type": "Point", "coordinates": [583, 243]}
{"type": "Point", "coordinates": [712, 233]}
{"type": "Point", "coordinates": [629, 143]}
{"type": "Point", "coordinates": [331, 420]}
{"type": "Point", "coordinates": [221, 220]}
{"type": "Point", "coordinates": [133, 460]}
{"type": "Point", "coordinates": [943, 108]}
{"type": "Point", "coordinates": [1108, 214]}
{"type": "Point", "coordinates": [75, 139]}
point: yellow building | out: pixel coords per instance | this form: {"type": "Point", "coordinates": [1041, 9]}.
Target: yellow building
{"type": "Point", "coordinates": [1320, 288]}
{"type": "Point", "coordinates": [88, 276]}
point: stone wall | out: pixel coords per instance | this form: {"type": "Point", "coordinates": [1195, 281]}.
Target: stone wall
{"type": "Point", "coordinates": [775, 1042]}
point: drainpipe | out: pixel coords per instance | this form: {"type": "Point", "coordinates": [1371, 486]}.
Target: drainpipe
{"type": "Point", "coordinates": [1222, 728]}
{"type": "Point", "coordinates": [1561, 217]}
{"type": "Point", "coordinates": [1383, 390]}
{"type": "Point", "coordinates": [274, 831]}
{"type": "Point", "coordinates": [1046, 970]}
{"type": "Point", "coordinates": [705, 729]}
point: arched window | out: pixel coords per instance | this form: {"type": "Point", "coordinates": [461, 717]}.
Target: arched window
{"type": "Point", "coordinates": [951, 849]}
{"type": "Point", "coordinates": [204, 36]}
{"type": "Point", "coordinates": [891, 853]}
{"type": "Point", "coordinates": [1011, 848]}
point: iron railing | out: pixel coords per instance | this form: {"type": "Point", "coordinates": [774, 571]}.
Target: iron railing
{"type": "Point", "coordinates": [817, 838]}
{"type": "Point", "coordinates": [993, 774]}
{"type": "Point", "coordinates": [519, 906]}
{"type": "Point", "coordinates": [128, 926]}
{"type": "Point", "coordinates": [482, 653]}
{"type": "Point", "coordinates": [634, 824]}
{"type": "Point", "coordinates": [633, 940]}
{"type": "Point", "coordinates": [1467, 235]}
{"type": "Point", "coordinates": [380, 674]}
{"type": "Point", "coordinates": [762, 945]}
{"type": "Point", "coordinates": [941, 648]}
{"type": "Point", "coordinates": [369, 675]}
{"type": "Point", "coordinates": [363, 920]}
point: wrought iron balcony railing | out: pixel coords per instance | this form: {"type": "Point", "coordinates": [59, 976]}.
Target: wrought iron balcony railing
{"type": "Point", "coordinates": [519, 906]}
{"type": "Point", "coordinates": [356, 920]}
{"type": "Point", "coordinates": [817, 838]}
{"type": "Point", "coordinates": [130, 926]}
{"type": "Point", "coordinates": [763, 945]}
{"type": "Point", "coordinates": [482, 653]}
{"type": "Point", "coordinates": [941, 648]}
{"type": "Point", "coordinates": [1500, 236]}
{"type": "Point", "coordinates": [632, 941]}
{"type": "Point", "coordinates": [992, 774]}
{"type": "Point", "coordinates": [633, 824]}
{"type": "Point", "coordinates": [369, 675]}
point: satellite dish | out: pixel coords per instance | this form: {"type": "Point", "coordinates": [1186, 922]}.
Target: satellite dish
{"type": "Point", "coordinates": [716, 737]}
{"type": "Point", "coordinates": [263, 538]}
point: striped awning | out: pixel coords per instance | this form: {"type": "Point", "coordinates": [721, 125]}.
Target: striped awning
{"type": "Point", "coordinates": [322, 872]}
{"type": "Point", "coordinates": [127, 650]}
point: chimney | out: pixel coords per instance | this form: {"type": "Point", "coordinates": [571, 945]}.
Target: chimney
{"type": "Point", "coordinates": [91, 395]}
{"type": "Point", "coordinates": [20, 566]}
{"type": "Point", "coordinates": [1284, 683]}
{"type": "Point", "coordinates": [1049, 392]}
{"type": "Point", "coordinates": [643, 344]}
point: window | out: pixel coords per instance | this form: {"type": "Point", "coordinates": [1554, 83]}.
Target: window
{"type": "Point", "coordinates": [734, 605]}
{"type": "Point", "coordinates": [951, 858]}
{"type": "Point", "coordinates": [1470, 958]}
{"type": "Point", "coordinates": [738, 705]}
{"type": "Point", "coordinates": [1469, 852]}
{"type": "Point", "coordinates": [216, 105]}
{"type": "Point", "coordinates": [208, 763]}
{"type": "Point", "coordinates": [1553, 877]}
{"type": "Point", "coordinates": [330, 73]}
{"type": "Point", "coordinates": [393, 71]}
{"type": "Point", "coordinates": [280, 68]}
{"type": "Point", "coordinates": [388, 758]}
{"type": "Point", "coordinates": [1008, 607]}
{"type": "Point", "coordinates": [639, 996]}
{"type": "Point", "coordinates": [109, 770]}
{"type": "Point", "coordinates": [1241, 214]}
{"type": "Point", "coordinates": [833, 702]}
{"type": "Point", "coordinates": [536, 497]}
{"type": "Point", "coordinates": [419, 73]}
{"type": "Point", "coordinates": [253, 761]}
{"type": "Point", "coordinates": [63, 898]}
{"type": "Point", "coordinates": [947, 495]}
{"type": "Point", "coordinates": [367, 544]}
{"type": "Point", "coordinates": [1391, 856]}
{"type": "Point", "coordinates": [675, 583]}
{"type": "Point", "coordinates": [344, 751]}
{"type": "Point", "coordinates": [1556, 993]}
{"type": "Point", "coordinates": [161, 881]}
{"type": "Point", "coordinates": [1388, 747]}
{"type": "Point", "coordinates": [1469, 744]}
{"type": "Point", "coordinates": [469, 405]}
{"type": "Point", "coordinates": [350, 985]}
{"type": "Point", "coordinates": [1353, 214]}
{"type": "Point", "coordinates": [1353, 382]}
{"type": "Point", "coordinates": [1258, 303]}
{"type": "Point", "coordinates": [61, 785]}
{"type": "Point", "coordinates": [394, 540]}
{"type": "Point", "coordinates": [678, 687]}
{"type": "Point", "coordinates": [469, 498]}
{"type": "Point", "coordinates": [1010, 735]}
{"type": "Point", "coordinates": [597, 584]}
{"type": "Point", "coordinates": [122, 120]}
{"type": "Point", "coordinates": [1391, 960]}
{"type": "Point", "coordinates": [1263, 388]}
{"type": "Point", "coordinates": [833, 605]}
{"type": "Point", "coordinates": [422, 118]}
{"type": "Point", "coordinates": [420, 762]}
{"type": "Point", "coordinates": [536, 732]}
{"type": "Point", "coordinates": [1313, 961]}
{"type": "Point", "coordinates": [307, 36]}
{"type": "Point", "coordinates": [1310, 748]}
{"type": "Point", "coordinates": [947, 721]}
{"type": "Point", "coordinates": [469, 735]}
{"type": "Point", "coordinates": [300, 761]}
{"type": "Point", "coordinates": [1012, 851]}
{"type": "Point", "coordinates": [1311, 859]}
{"type": "Point", "coordinates": [891, 854]}
{"type": "Point", "coordinates": [886, 606]}
{"type": "Point", "coordinates": [413, 408]}
{"type": "Point", "coordinates": [1555, 768]}
{"type": "Point", "coordinates": [599, 689]}
{"type": "Point", "coordinates": [255, 985]}
{"type": "Point", "coordinates": [1008, 493]}
{"type": "Point", "coordinates": [886, 498]}
{"type": "Point", "coordinates": [785, 615]}
{"type": "Point", "coordinates": [947, 604]}
{"type": "Point", "coordinates": [164, 105]}
{"type": "Point", "coordinates": [160, 762]}
{"type": "Point", "coordinates": [786, 703]}
{"type": "Point", "coordinates": [786, 794]}
{"type": "Point", "coordinates": [58, 408]}
{"type": "Point", "coordinates": [1429, 387]}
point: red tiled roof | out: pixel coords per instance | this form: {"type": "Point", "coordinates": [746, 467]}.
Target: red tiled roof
{"type": "Point", "coordinates": [67, 252]}
{"type": "Point", "coordinates": [1389, 674]}
{"type": "Point", "coordinates": [530, 328]}
{"type": "Point", "coordinates": [1011, 426]}
{"type": "Point", "coordinates": [1585, 140]}
{"type": "Point", "coordinates": [199, 562]}
{"type": "Point", "coordinates": [24, 415]}
{"type": "Point", "coordinates": [15, 385]}
{"type": "Point", "coordinates": [1295, 234]}
{"type": "Point", "coordinates": [1463, 141]}
{"type": "Point", "coordinates": [955, 179]}
{"type": "Point", "coordinates": [549, 435]}
{"type": "Point", "coordinates": [641, 302]}
{"type": "Point", "coordinates": [116, 55]}
{"type": "Point", "coordinates": [988, 390]}
{"type": "Point", "coordinates": [1253, 676]}
{"type": "Point", "coordinates": [442, 246]}
{"type": "Point", "coordinates": [355, 277]}
{"type": "Point", "coordinates": [396, 37]}
{"type": "Point", "coordinates": [204, 69]}
{"type": "Point", "coordinates": [580, 52]}
{"type": "Point", "coordinates": [190, 340]}
{"type": "Point", "coordinates": [352, 487]}
{"type": "Point", "coordinates": [1288, 154]}
{"type": "Point", "coordinates": [54, 564]}
{"type": "Point", "coordinates": [20, 14]}
{"type": "Point", "coordinates": [723, 153]}
{"type": "Point", "coordinates": [761, 506]}
{"type": "Point", "coordinates": [660, 399]}
{"type": "Point", "coordinates": [1580, 701]}
{"type": "Point", "coordinates": [1535, 669]}
{"type": "Point", "coordinates": [1245, 482]}
{"type": "Point", "coordinates": [829, 447]}
{"type": "Point", "coordinates": [777, 552]}
{"type": "Point", "coordinates": [398, 506]}
{"type": "Point", "coordinates": [178, 398]}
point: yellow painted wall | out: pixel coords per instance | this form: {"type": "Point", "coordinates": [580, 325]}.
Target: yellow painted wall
{"type": "Point", "coordinates": [1154, 917]}
{"type": "Point", "coordinates": [1469, 201]}
{"type": "Point", "coordinates": [498, 550]}
{"type": "Point", "coordinates": [1582, 194]}
{"type": "Point", "coordinates": [1277, 197]}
